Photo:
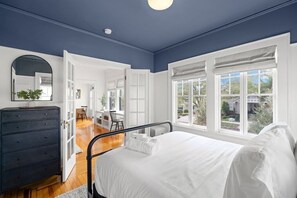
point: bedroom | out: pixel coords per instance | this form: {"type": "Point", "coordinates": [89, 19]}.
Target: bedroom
{"type": "Point", "coordinates": [168, 41]}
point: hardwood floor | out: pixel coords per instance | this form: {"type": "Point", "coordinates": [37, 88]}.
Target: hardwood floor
{"type": "Point", "coordinates": [85, 131]}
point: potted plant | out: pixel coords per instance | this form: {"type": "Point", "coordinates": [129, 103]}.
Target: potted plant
{"type": "Point", "coordinates": [30, 95]}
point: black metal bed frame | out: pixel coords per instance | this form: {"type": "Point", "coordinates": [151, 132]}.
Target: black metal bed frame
{"type": "Point", "coordinates": [90, 156]}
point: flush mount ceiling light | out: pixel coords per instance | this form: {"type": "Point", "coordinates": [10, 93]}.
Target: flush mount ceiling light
{"type": "Point", "coordinates": [160, 4]}
{"type": "Point", "coordinates": [107, 31]}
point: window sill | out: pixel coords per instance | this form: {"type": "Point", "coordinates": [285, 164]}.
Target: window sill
{"type": "Point", "coordinates": [193, 127]}
{"type": "Point", "coordinates": [224, 136]}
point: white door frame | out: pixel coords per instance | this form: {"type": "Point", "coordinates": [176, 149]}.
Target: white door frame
{"type": "Point", "coordinates": [94, 62]}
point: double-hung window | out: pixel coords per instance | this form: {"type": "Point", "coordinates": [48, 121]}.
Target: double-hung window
{"type": "Point", "coordinates": [247, 94]}
{"type": "Point", "coordinates": [189, 84]}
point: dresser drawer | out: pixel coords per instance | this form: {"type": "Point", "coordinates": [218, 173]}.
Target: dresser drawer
{"type": "Point", "coordinates": [16, 116]}
{"type": "Point", "coordinates": [8, 128]}
{"type": "Point", "coordinates": [26, 175]}
{"type": "Point", "coordinates": [30, 156]}
{"type": "Point", "coordinates": [23, 141]}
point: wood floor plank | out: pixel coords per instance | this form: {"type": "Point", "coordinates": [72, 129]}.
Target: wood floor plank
{"type": "Point", "coordinates": [85, 131]}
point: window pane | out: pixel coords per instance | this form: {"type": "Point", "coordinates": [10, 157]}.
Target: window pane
{"type": "Point", "coordinates": [183, 109]}
{"type": "Point", "coordinates": [179, 85]}
{"type": "Point", "coordinates": [112, 100]}
{"type": "Point", "coordinates": [230, 113]}
{"type": "Point", "coordinates": [225, 85]}
{"type": "Point", "coordinates": [266, 83]}
{"type": "Point", "coordinates": [203, 87]}
{"type": "Point", "coordinates": [199, 110]}
{"type": "Point", "coordinates": [260, 113]}
{"type": "Point", "coordinates": [196, 88]}
{"type": "Point", "coordinates": [186, 88]}
{"type": "Point", "coordinates": [253, 82]}
{"type": "Point", "coordinates": [235, 85]}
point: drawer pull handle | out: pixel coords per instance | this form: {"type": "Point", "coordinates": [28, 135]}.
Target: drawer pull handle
{"type": "Point", "coordinates": [45, 137]}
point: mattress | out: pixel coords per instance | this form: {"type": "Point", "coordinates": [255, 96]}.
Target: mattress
{"type": "Point", "coordinates": [186, 165]}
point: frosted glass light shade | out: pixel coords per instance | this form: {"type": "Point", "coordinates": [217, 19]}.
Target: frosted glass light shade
{"type": "Point", "coordinates": [160, 4]}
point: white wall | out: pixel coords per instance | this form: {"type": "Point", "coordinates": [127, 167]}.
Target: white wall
{"type": "Point", "coordinates": [84, 87]}
{"type": "Point", "coordinates": [86, 76]}
{"type": "Point", "coordinates": [7, 57]}
{"type": "Point", "coordinates": [161, 98]}
{"type": "Point", "coordinates": [293, 90]}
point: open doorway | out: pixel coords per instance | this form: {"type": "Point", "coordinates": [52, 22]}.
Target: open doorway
{"type": "Point", "coordinates": [106, 87]}
{"type": "Point", "coordinates": [99, 88]}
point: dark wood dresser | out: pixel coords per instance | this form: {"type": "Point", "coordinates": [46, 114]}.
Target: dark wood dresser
{"type": "Point", "coordinates": [29, 145]}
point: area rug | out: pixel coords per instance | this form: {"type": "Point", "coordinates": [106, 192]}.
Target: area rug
{"type": "Point", "coordinates": [80, 192]}
{"type": "Point", "coordinates": [77, 149]}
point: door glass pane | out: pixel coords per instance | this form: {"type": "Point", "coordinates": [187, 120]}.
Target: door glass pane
{"type": "Point", "coordinates": [141, 92]}
{"type": "Point", "coordinates": [141, 105]}
{"type": "Point", "coordinates": [68, 150]}
{"type": "Point", "coordinates": [141, 118]}
{"type": "Point", "coordinates": [133, 105]}
{"type": "Point", "coordinates": [133, 91]}
{"type": "Point", "coordinates": [69, 132]}
{"type": "Point", "coordinates": [142, 79]}
{"type": "Point", "coordinates": [132, 119]}
{"type": "Point", "coordinates": [134, 79]}
{"type": "Point", "coordinates": [72, 128]}
{"type": "Point", "coordinates": [230, 113]}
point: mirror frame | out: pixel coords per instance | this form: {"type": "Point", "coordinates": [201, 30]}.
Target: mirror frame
{"type": "Point", "coordinates": [11, 88]}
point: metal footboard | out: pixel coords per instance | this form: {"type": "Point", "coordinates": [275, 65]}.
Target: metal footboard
{"type": "Point", "coordinates": [90, 156]}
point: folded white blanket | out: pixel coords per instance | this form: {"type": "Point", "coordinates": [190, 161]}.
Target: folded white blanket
{"type": "Point", "coordinates": [146, 145]}
{"type": "Point", "coordinates": [139, 136]}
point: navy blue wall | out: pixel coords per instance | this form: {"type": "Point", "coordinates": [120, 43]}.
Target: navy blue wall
{"type": "Point", "coordinates": [23, 31]}
{"type": "Point", "coordinates": [271, 24]}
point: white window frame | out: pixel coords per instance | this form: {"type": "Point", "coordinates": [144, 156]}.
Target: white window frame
{"type": "Point", "coordinates": [243, 94]}
{"type": "Point", "coordinates": [282, 43]}
{"type": "Point", "coordinates": [190, 105]}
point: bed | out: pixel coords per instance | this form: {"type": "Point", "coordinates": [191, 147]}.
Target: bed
{"type": "Point", "coordinates": [185, 165]}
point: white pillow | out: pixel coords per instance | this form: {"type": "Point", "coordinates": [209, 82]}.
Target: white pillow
{"type": "Point", "coordinates": [281, 125]}
{"type": "Point", "coordinates": [147, 146]}
{"type": "Point", "coordinates": [264, 168]}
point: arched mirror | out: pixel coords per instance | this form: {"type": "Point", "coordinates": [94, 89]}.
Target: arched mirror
{"type": "Point", "coordinates": [31, 72]}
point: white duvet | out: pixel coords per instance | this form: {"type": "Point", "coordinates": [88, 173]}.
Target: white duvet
{"type": "Point", "coordinates": [186, 165]}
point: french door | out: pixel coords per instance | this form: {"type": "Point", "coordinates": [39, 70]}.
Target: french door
{"type": "Point", "coordinates": [69, 117]}
{"type": "Point", "coordinates": [137, 97]}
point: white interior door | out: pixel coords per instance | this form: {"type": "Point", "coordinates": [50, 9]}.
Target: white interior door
{"type": "Point", "coordinates": [137, 97]}
{"type": "Point", "coordinates": [69, 128]}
